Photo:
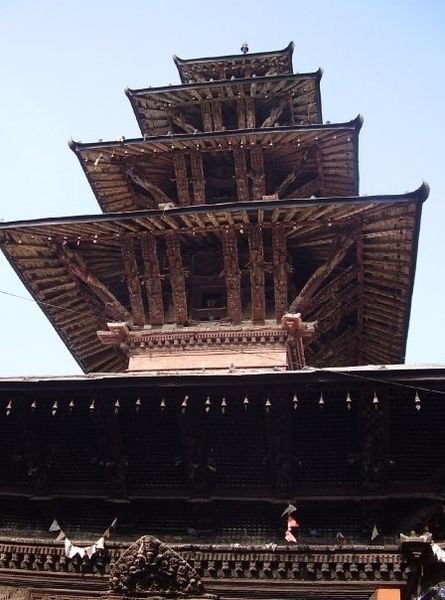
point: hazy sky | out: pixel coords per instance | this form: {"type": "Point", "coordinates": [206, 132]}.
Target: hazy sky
{"type": "Point", "coordinates": [64, 66]}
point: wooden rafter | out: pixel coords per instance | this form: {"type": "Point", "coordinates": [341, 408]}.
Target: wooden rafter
{"type": "Point", "coordinates": [320, 168]}
{"type": "Point", "coordinates": [258, 177]}
{"type": "Point", "coordinates": [132, 277]}
{"type": "Point", "coordinates": [177, 278]}
{"type": "Point", "coordinates": [242, 184]}
{"type": "Point", "coordinates": [78, 268]}
{"type": "Point", "coordinates": [338, 252]}
{"type": "Point", "coordinates": [275, 113]}
{"type": "Point", "coordinates": [232, 274]}
{"type": "Point", "coordinates": [360, 284]}
{"type": "Point", "coordinates": [198, 178]}
{"type": "Point", "coordinates": [182, 181]}
{"type": "Point", "coordinates": [279, 270]}
{"type": "Point", "coordinates": [152, 189]}
{"type": "Point", "coordinates": [256, 264]}
{"type": "Point", "coordinates": [153, 284]}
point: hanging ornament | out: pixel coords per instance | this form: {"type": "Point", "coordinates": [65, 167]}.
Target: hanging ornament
{"type": "Point", "coordinates": [417, 401]}
{"type": "Point", "coordinates": [223, 406]}
{"type": "Point", "coordinates": [163, 405]}
{"type": "Point", "coordinates": [246, 403]}
{"type": "Point", "coordinates": [138, 405]}
{"type": "Point", "coordinates": [117, 406]}
{"type": "Point", "coordinates": [375, 401]}
{"type": "Point", "coordinates": [321, 401]}
{"type": "Point", "coordinates": [54, 408]}
{"type": "Point", "coordinates": [295, 401]}
{"type": "Point", "coordinates": [268, 405]}
{"type": "Point", "coordinates": [207, 404]}
{"type": "Point", "coordinates": [92, 406]}
{"type": "Point", "coordinates": [348, 401]}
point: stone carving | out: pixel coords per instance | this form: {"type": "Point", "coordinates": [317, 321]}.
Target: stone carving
{"type": "Point", "coordinates": [149, 565]}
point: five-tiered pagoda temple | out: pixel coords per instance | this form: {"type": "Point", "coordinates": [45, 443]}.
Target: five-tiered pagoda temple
{"type": "Point", "coordinates": [234, 434]}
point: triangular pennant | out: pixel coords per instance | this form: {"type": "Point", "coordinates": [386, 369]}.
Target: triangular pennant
{"type": "Point", "coordinates": [289, 537]}
{"type": "Point", "coordinates": [291, 522]}
{"type": "Point", "coordinates": [68, 546]}
{"type": "Point", "coordinates": [113, 524]}
{"type": "Point", "coordinates": [290, 508]}
{"type": "Point", "coordinates": [375, 532]}
{"type": "Point", "coordinates": [60, 537]}
{"type": "Point", "coordinates": [90, 550]}
{"type": "Point", "coordinates": [107, 533]}
{"type": "Point", "coordinates": [54, 526]}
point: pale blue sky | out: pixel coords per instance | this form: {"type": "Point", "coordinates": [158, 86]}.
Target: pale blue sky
{"type": "Point", "coordinates": [64, 66]}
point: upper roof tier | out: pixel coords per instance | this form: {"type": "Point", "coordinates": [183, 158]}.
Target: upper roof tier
{"type": "Point", "coordinates": [238, 66]}
{"type": "Point", "coordinates": [226, 105]}
{"type": "Point", "coordinates": [224, 166]}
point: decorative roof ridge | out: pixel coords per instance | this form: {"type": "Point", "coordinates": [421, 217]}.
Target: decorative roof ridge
{"type": "Point", "coordinates": [289, 49]}
{"type": "Point", "coordinates": [355, 123]}
{"type": "Point", "coordinates": [418, 195]}
{"type": "Point", "coordinates": [130, 92]}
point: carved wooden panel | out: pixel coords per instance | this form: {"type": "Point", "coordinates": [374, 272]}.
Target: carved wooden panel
{"type": "Point", "coordinates": [232, 274]}
{"type": "Point", "coordinates": [152, 279]}
{"type": "Point", "coordinates": [177, 279]}
{"type": "Point", "coordinates": [132, 277]}
{"type": "Point", "coordinates": [256, 261]}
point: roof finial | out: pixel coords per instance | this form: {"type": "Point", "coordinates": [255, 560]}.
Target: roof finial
{"type": "Point", "coordinates": [244, 48]}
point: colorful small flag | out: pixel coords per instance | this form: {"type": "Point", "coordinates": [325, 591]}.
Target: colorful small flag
{"type": "Point", "coordinates": [289, 537]}
{"type": "Point", "coordinates": [60, 537]}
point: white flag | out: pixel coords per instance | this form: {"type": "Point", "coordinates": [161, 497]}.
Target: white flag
{"type": "Point", "coordinates": [54, 526]}
{"type": "Point", "coordinates": [68, 545]}
{"type": "Point", "coordinates": [100, 544]}
{"type": "Point", "coordinates": [375, 532]}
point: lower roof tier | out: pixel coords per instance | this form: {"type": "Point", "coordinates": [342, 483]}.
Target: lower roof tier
{"type": "Point", "coordinates": [345, 263]}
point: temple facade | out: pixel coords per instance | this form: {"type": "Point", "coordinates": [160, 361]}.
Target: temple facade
{"type": "Point", "coordinates": [245, 426]}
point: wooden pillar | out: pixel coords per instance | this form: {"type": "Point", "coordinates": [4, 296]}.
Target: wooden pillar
{"type": "Point", "coordinates": [198, 178]}
{"type": "Point", "coordinates": [257, 167]}
{"type": "Point", "coordinates": [232, 274]}
{"type": "Point", "coordinates": [133, 285]}
{"type": "Point", "coordinates": [279, 270]}
{"type": "Point", "coordinates": [182, 181]}
{"type": "Point", "coordinates": [256, 260]}
{"type": "Point", "coordinates": [177, 279]}
{"type": "Point", "coordinates": [239, 157]}
{"type": "Point", "coordinates": [152, 279]}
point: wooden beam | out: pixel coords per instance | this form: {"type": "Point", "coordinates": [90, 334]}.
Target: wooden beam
{"type": "Point", "coordinates": [360, 290]}
{"type": "Point", "coordinates": [290, 177]}
{"type": "Point", "coordinates": [308, 189]}
{"type": "Point", "coordinates": [217, 116]}
{"type": "Point", "coordinates": [275, 113]}
{"type": "Point", "coordinates": [79, 269]}
{"type": "Point", "coordinates": [256, 264]}
{"type": "Point", "coordinates": [179, 120]}
{"type": "Point", "coordinates": [182, 180]}
{"type": "Point", "coordinates": [177, 278]}
{"type": "Point", "coordinates": [320, 168]}
{"type": "Point", "coordinates": [198, 180]}
{"type": "Point", "coordinates": [258, 177]}
{"type": "Point", "coordinates": [150, 188]}
{"type": "Point", "coordinates": [153, 284]}
{"type": "Point", "coordinates": [338, 252]}
{"type": "Point", "coordinates": [206, 114]}
{"type": "Point", "coordinates": [132, 277]}
{"type": "Point", "coordinates": [241, 113]}
{"type": "Point", "coordinates": [242, 185]}
{"type": "Point", "coordinates": [232, 274]}
{"type": "Point", "coordinates": [279, 270]}
{"type": "Point", "coordinates": [250, 112]}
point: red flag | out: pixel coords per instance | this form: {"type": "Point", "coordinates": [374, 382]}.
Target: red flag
{"type": "Point", "coordinates": [289, 537]}
{"type": "Point", "coordinates": [291, 522]}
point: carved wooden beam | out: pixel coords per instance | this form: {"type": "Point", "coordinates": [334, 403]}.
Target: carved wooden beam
{"type": "Point", "coordinates": [232, 274]}
{"type": "Point", "coordinates": [275, 113]}
{"type": "Point", "coordinates": [256, 261]}
{"type": "Point", "coordinates": [217, 116]}
{"type": "Point", "coordinates": [198, 178]}
{"type": "Point", "coordinates": [239, 157]}
{"type": "Point", "coordinates": [179, 120]}
{"type": "Point", "coordinates": [182, 180]}
{"type": "Point", "coordinates": [258, 177]}
{"type": "Point", "coordinates": [250, 112]}
{"type": "Point", "coordinates": [206, 114]}
{"type": "Point", "coordinates": [152, 279]}
{"type": "Point", "coordinates": [241, 113]}
{"type": "Point", "coordinates": [338, 252]}
{"type": "Point", "coordinates": [177, 279]}
{"type": "Point", "coordinates": [78, 268]}
{"type": "Point", "coordinates": [279, 270]}
{"type": "Point", "coordinates": [132, 277]}
{"type": "Point", "coordinates": [150, 188]}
